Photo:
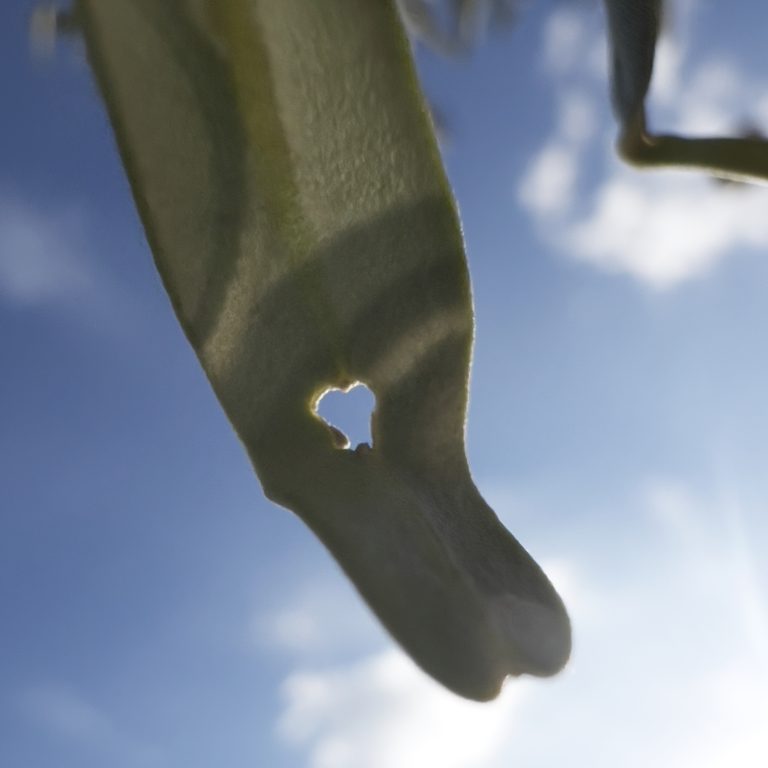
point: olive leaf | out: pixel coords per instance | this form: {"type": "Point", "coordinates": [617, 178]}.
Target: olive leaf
{"type": "Point", "coordinates": [287, 176]}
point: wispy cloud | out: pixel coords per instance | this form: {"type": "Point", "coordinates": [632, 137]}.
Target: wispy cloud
{"type": "Point", "coordinates": [64, 713]}
{"type": "Point", "coordinates": [322, 620]}
{"type": "Point", "coordinates": [43, 254]}
{"type": "Point", "coordinates": [66, 716]}
{"type": "Point", "coordinates": [662, 228]}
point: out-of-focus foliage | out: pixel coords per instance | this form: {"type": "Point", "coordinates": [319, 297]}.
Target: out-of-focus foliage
{"type": "Point", "coordinates": [454, 26]}
{"type": "Point", "coordinates": [633, 29]}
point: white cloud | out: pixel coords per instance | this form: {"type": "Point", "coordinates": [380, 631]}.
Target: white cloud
{"type": "Point", "coordinates": [666, 71]}
{"type": "Point", "coordinates": [666, 230]}
{"type": "Point", "coordinates": [549, 182]}
{"type": "Point", "coordinates": [383, 712]}
{"type": "Point", "coordinates": [566, 40]}
{"type": "Point", "coordinates": [42, 254]}
{"type": "Point", "coordinates": [717, 556]}
{"type": "Point", "coordinates": [659, 227]}
{"type": "Point", "coordinates": [576, 120]}
{"type": "Point", "coordinates": [714, 100]}
{"type": "Point", "coordinates": [722, 600]}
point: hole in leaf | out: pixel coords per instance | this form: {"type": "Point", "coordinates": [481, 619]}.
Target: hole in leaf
{"type": "Point", "coordinates": [348, 412]}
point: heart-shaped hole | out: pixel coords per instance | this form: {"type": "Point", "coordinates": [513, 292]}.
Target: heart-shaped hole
{"type": "Point", "coordinates": [348, 412]}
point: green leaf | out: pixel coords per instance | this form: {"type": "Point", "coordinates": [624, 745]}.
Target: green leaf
{"type": "Point", "coordinates": [292, 193]}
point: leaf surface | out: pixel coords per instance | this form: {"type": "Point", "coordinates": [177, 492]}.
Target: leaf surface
{"type": "Point", "coordinates": [292, 193]}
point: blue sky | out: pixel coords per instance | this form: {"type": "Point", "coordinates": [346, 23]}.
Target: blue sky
{"type": "Point", "coordinates": [156, 610]}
